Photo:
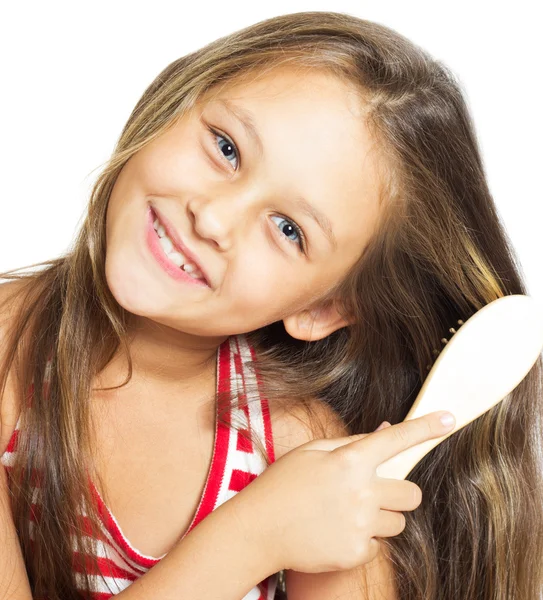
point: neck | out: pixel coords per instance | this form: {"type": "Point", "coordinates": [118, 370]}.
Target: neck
{"type": "Point", "coordinates": [163, 356]}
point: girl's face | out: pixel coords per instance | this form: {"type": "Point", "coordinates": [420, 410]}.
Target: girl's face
{"type": "Point", "coordinates": [233, 194]}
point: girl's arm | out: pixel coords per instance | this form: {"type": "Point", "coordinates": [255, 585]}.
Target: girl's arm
{"type": "Point", "coordinates": [224, 556]}
{"type": "Point", "coordinates": [215, 560]}
{"type": "Point", "coordinates": [371, 581]}
{"type": "Point", "coordinates": [14, 583]}
{"type": "Point", "coordinates": [218, 559]}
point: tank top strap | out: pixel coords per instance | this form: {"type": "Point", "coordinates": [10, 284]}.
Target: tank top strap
{"type": "Point", "coordinates": [251, 404]}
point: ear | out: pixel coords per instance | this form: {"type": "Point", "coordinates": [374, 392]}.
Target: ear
{"type": "Point", "coordinates": [315, 323]}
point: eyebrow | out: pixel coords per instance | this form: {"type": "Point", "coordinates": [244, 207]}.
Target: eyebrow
{"type": "Point", "coordinates": [321, 219]}
{"type": "Point", "coordinates": [245, 117]}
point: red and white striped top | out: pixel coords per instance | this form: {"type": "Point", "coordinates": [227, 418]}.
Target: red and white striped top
{"type": "Point", "coordinates": [234, 464]}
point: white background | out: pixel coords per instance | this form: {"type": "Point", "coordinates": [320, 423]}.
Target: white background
{"type": "Point", "coordinates": [73, 71]}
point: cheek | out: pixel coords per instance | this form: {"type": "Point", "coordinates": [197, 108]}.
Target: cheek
{"type": "Point", "coordinates": [253, 278]}
{"type": "Point", "coordinates": [170, 171]}
{"type": "Point", "coordinates": [264, 285]}
{"type": "Point", "coordinates": [177, 163]}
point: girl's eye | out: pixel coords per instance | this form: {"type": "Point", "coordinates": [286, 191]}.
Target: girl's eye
{"type": "Point", "coordinates": [226, 151]}
{"type": "Point", "coordinates": [289, 227]}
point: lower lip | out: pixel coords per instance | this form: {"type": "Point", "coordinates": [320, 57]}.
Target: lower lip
{"type": "Point", "coordinates": [156, 249]}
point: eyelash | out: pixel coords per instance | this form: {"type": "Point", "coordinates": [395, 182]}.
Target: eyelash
{"type": "Point", "coordinates": [302, 243]}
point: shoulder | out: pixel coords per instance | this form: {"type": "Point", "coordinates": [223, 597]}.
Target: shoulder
{"type": "Point", "coordinates": [295, 424]}
{"type": "Point", "coordinates": [10, 301]}
{"type": "Point", "coordinates": [372, 581]}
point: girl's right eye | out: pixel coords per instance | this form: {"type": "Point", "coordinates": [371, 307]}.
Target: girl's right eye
{"type": "Point", "coordinates": [229, 146]}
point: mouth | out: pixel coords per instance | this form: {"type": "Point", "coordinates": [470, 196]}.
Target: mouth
{"type": "Point", "coordinates": [176, 252]}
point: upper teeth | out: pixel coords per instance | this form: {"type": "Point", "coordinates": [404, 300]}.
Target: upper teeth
{"type": "Point", "coordinates": [175, 256]}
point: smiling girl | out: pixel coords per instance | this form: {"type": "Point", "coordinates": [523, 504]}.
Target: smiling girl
{"type": "Point", "coordinates": [292, 219]}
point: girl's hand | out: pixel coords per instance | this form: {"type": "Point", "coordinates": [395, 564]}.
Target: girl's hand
{"type": "Point", "coordinates": [320, 507]}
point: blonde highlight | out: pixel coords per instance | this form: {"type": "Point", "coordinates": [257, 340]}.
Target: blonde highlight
{"type": "Point", "coordinates": [438, 254]}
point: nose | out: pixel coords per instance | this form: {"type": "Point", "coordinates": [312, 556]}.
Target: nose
{"type": "Point", "coordinates": [213, 220]}
{"type": "Point", "coordinates": [220, 217]}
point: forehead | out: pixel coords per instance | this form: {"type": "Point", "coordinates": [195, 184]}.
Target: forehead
{"type": "Point", "coordinates": [316, 144]}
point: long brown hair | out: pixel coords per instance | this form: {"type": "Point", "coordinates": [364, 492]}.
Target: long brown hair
{"type": "Point", "coordinates": [439, 254]}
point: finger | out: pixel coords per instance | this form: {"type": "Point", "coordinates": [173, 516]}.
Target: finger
{"type": "Point", "coordinates": [383, 425]}
{"type": "Point", "coordinates": [389, 523]}
{"type": "Point", "coordinates": [384, 444]}
{"type": "Point", "coordinates": [333, 443]}
{"type": "Point", "coordinates": [398, 494]}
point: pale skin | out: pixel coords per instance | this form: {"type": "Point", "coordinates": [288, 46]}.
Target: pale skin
{"type": "Point", "coordinates": [231, 207]}
{"type": "Point", "coordinates": [231, 214]}
{"type": "Point", "coordinates": [222, 541]}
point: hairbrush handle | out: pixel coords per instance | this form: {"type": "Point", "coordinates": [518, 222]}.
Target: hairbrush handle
{"type": "Point", "coordinates": [484, 361]}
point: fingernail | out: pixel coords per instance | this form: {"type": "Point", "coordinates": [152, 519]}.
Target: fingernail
{"type": "Point", "coordinates": [382, 426]}
{"type": "Point", "coordinates": [447, 419]}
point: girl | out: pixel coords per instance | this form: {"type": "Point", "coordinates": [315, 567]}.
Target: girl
{"type": "Point", "coordinates": [291, 221]}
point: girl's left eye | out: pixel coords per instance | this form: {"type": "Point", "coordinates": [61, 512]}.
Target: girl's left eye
{"type": "Point", "coordinates": [292, 228]}
{"type": "Point", "coordinates": [230, 147]}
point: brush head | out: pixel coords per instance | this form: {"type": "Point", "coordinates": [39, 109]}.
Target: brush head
{"type": "Point", "coordinates": [483, 362]}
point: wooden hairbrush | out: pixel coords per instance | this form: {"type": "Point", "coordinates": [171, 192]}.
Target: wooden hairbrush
{"type": "Point", "coordinates": [486, 358]}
